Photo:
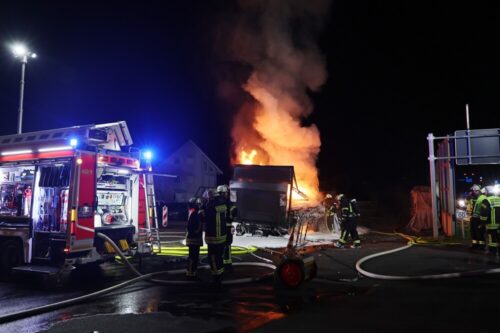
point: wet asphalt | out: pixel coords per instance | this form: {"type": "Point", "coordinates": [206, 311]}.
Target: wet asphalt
{"type": "Point", "coordinates": [339, 299]}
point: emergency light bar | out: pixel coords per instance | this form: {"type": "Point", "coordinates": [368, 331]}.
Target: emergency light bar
{"type": "Point", "coordinates": [44, 150]}
{"type": "Point", "coordinates": [17, 152]}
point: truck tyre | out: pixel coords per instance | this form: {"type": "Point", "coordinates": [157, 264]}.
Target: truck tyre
{"type": "Point", "coordinates": [239, 228]}
{"type": "Point", "coordinates": [11, 255]}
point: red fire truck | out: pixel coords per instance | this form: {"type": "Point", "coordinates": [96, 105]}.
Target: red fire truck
{"type": "Point", "coordinates": [59, 188]}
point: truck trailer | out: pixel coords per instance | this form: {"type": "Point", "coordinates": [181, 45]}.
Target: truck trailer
{"type": "Point", "coordinates": [263, 195]}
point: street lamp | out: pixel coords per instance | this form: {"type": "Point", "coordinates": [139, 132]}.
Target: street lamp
{"type": "Point", "coordinates": [21, 51]}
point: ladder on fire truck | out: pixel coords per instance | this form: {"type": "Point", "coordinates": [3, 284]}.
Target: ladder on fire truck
{"type": "Point", "coordinates": [151, 213]}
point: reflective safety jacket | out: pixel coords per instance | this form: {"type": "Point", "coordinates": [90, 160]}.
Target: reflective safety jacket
{"type": "Point", "coordinates": [476, 212]}
{"type": "Point", "coordinates": [490, 212]}
{"type": "Point", "coordinates": [194, 229]}
{"type": "Point", "coordinates": [216, 213]}
{"type": "Point", "coordinates": [233, 212]}
{"type": "Point", "coordinates": [348, 208]}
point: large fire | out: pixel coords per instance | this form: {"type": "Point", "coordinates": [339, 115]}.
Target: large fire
{"type": "Point", "coordinates": [281, 139]}
{"type": "Point", "coordinates": [276, 40]}
{"type": "Point", "coordinates": [248, 158]}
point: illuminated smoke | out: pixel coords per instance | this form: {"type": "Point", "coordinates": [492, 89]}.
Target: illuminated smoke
{"type": "Point", "coordinates": [277, 39]}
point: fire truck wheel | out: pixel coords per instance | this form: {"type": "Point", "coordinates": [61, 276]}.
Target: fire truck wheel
{"type": "Point", "coordinates": [11, 255]}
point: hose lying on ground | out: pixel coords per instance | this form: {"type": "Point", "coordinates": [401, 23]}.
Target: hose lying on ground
{"type": "Point", "coordinates": [184, 250]}
{"type": "Point", "coordinates": [140, 277]}
{"type": "Point", "coordinates": [411, 242]}
{"type": "Point", "coordinates": [172, 282]}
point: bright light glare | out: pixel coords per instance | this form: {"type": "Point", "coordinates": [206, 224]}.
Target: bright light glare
{"type": "Point", "coordinates": [461, 203]}
{"type": "Point", "coordinates": [34, 55]}
{"type": "Point", "coordinates": [148, 155]}
{"type": "Point", "coordinates": [496, 190]}
{"type": "Point", "coordinates": [44, 150]}
{"type": "Point", "coordinates": [17, 152]}
{"type": "Point", "coordinates": [123, 171]}
{"type": "Point", "coordinates": [73, 142]}
{"type": "Point", "coordinates": [19, 50]}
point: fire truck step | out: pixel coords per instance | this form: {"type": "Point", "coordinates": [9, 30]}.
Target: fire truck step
{"type": "Point", "coordinates": [49, 270]}
{"type": "Point", "coordinates": [41, 260]}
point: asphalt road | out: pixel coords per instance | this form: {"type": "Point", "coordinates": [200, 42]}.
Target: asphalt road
{"type": "Point", "coordinates": [337, 300]}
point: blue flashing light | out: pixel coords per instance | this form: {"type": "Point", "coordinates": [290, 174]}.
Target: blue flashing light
{"type": "Point", "coordinates": [148, 155]}
{"type": "Point", "coordinates": [73, 142]}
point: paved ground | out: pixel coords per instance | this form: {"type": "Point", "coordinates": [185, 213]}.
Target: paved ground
{"type": "Point", "coordinates": [337, 300]}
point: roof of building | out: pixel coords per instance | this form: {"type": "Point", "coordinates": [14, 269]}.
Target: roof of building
{"type": "Point", "coordinates": [194, 145]}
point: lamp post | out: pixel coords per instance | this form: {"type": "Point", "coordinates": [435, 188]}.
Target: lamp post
{"type": "Point", "coordinates": [20, 51]}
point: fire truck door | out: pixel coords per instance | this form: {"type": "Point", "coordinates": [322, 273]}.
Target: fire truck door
{"type": "Point", "coordinates": [83, 203]}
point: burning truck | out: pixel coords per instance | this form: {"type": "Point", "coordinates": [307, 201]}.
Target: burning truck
{"type": "Point", "coordinates": [263, 195]}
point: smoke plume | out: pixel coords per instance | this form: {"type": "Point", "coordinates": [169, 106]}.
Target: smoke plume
{"type": "Point", "coordinates": [276, 40]}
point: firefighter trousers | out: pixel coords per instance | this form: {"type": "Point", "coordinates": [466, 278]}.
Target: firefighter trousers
{"type": "Point", "coordinates": [228, 261]}
{"type": "Point", "coordinates": [215, 258]}
{"type": "Point", "coordinates": [194, 257]}
{"type": "Point", "coordinates": [349, 228]}
{"type": "Point", "coordinates": [477, 232]}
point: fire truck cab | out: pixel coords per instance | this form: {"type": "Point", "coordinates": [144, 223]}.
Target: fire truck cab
{"type": "Point", "coordinates": [59, 188]}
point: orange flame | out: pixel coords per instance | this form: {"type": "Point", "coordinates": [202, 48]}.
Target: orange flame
{"type": "Point", "coordinates": [281, 141]}
{"type": "Point", "coordinates": [269, 127]}
{"type": "Point", "coordinates": [248, 158]}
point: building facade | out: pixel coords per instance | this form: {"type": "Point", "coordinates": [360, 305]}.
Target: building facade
{"type": "Point", "coordinates": [195, 172]}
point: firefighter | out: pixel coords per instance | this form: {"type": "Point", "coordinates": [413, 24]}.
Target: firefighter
{"type": "Point", "coordinates": [223, 191]}
{"type": "Point", "coordinates": [490, 212]}
{"type": "Point", "coordinates": [215, 214]}
{"type": "Point", "coordinates": [194, 237]}
{"type": "Point", "coordinates": [477, 227]}
{"type": "Point", "coordinates": [329, 205]}
{"type": "Point", "coordinates": [349, 213]}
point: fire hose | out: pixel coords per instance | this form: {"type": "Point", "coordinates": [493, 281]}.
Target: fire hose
{"type": "Point", "coordinates": [140, 277]}
{"type": "Point", "coordinates": [411, 242]}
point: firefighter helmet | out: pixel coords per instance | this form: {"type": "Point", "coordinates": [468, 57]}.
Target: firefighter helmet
{"type": "Point", "coordinates": [192, 202]}
{"type": "Point", "coordinates": [475, 188]}
{"type": "Point", "coordinates": [339, 196]}
{"type": "Point", "coordinates": [222, 188]}
{"type": "Point", "coordinates": [328, 196]}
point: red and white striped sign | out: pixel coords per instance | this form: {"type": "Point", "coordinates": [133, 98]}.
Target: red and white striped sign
{"type": "Point", "coordinates": [164, 218]}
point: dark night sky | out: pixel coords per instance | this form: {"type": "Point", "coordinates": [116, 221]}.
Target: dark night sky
{"type": "Point", "coordinates": [396, 71]}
